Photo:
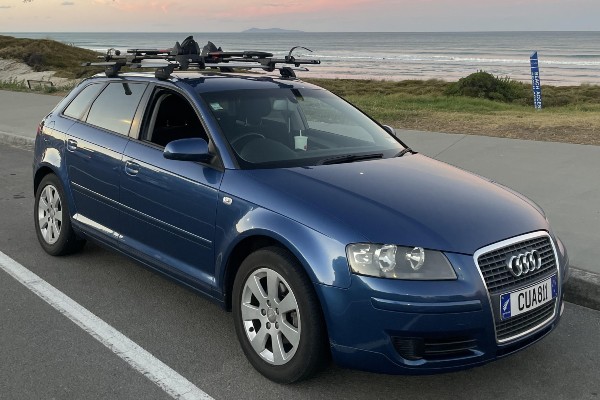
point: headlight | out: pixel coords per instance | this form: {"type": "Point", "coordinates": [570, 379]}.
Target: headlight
{"type": "Point", "coordinates": [398, 262]}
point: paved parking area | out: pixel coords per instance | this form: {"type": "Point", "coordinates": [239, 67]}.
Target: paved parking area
{"type": "Point", "coordinates": [47, 355]}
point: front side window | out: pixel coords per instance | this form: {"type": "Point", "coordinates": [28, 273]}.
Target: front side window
{"type": "Point", "coordinates": [270, 128]}
{"type": "Point", "coordinates": [115, 108]}
{"type": "Point", "coordinates": [171, 117]}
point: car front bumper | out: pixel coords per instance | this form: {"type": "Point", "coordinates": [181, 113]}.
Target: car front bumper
{"type": "Point", "coordinates": [420, 327]}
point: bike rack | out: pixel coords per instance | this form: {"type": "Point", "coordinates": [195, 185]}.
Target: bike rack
{"type": "Point", "coordinates": [187, 55]}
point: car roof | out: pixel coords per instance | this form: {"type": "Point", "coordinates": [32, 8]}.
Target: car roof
{"type": "Point", "coordinates": [209, 81]}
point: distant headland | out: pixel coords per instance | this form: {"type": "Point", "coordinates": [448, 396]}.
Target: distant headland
{"type": "Point", "coordinates": [270, 30]}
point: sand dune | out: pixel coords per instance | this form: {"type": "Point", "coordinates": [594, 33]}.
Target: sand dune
{"type": "Point", "coordinates": [12, 70]}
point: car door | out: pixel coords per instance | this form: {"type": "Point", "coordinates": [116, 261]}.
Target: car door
{"type": "Point", "coordinates": [170, 206]}
{"type": "Point", "coordinates": [95, 145]}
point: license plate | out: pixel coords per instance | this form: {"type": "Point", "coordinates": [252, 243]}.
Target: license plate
{"type": "Point", "coordinates": [528, 299]}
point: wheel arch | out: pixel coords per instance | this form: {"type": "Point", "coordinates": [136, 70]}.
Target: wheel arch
{"type": "Point", "coordinates": [238, 254]}
{"type": "Point", "coordinates": [40, 174]}
{"type": "Point", "coordinates": [322, 258]}
{"type": "Point", "coordinates": [319, 260]}
{"type": "Point", "coordinates": [48, 167]}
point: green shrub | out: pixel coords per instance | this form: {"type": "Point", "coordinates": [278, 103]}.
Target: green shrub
{"type": "Point", "coordinates": [35, 61]}
{"type": "Point", "coordinates": [487, 86]}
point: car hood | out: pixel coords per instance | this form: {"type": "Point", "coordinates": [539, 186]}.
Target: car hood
{"type": "Point", "coordinates": [410, 201]}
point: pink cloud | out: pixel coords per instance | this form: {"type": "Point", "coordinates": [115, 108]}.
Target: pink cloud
{"type": "Point", "coordinates": [138, 6]}
{"type": "Point", "coordinates": [233, 9]}
{"type": "Point", "coordinates": [265, 9]}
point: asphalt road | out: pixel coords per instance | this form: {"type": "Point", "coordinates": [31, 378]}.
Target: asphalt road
{"type": "Point", "coordinates": [20, 113]}
{"type": "Point", "coordinates": [45, 355]}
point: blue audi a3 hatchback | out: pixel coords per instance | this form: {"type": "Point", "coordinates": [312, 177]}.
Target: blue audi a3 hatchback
{"type": "Point", "coordinates": [322, 232]}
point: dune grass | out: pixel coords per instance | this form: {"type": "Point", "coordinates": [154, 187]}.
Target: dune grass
{"type": "Point", "coordinates": [49, 55]}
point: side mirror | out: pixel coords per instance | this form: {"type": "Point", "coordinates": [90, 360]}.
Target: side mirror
{"type": "Point", "coordinates": [389, 130]}
{"type": "Point", "coordinates": [194, 149]}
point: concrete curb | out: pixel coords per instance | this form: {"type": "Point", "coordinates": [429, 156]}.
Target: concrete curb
{"type": "Point", "coordinates": [583, 288]}
{"type": "Point", "coordinates": [17, 141]}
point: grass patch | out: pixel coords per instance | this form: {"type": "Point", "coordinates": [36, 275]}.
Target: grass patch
{"type": "Point", "coordinates": [553, 96]}
{"type": "Point", "coordinates": [14, 85]}
{"type": "Point", "coordinates": [21, 86]}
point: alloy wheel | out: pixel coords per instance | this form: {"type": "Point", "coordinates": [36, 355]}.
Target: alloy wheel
{"type": "Point", "coordinates": [271, 316]}
{"type": "Point", "coordinates": [50, 214]}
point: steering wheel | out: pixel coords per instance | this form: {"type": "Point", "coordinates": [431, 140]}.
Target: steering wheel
{"type": "Point", "coordinates": [245, 136]}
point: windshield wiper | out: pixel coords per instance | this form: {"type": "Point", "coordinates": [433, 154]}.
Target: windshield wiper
{"type": "Point", "coordinates": [348, 158]}
{"type": "Point", "coordinates": [405, 151]}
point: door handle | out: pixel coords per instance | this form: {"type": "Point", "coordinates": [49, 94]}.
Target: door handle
{"type": "Point", "coordinates": [132, 168]}
{"type": "Point", "coordinates": [71, 144]}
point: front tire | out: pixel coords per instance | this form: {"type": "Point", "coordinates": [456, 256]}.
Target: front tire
{"type": "Point", "coordinates": [52, 220]}
{"type": "Point", "coordinates": [277, 317]}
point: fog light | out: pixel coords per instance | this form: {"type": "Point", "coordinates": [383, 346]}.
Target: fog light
{"type": "Point", "coordinates": [411, 349]}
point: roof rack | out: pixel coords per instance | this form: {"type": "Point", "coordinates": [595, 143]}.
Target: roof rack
{"type": "Point", "coordinates": [188, 55]}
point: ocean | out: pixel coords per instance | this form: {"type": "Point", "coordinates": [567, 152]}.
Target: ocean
{"type": "Point", "coordinates": [566, 58]}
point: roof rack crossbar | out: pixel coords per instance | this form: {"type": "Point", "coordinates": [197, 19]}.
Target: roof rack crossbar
{"type": "Point", "coordinates": [187, 54]}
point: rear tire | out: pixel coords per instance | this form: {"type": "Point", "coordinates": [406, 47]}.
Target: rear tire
{"type": "Point", "coordinates": [278, 318]}
{"type": "Point", "coordinates": [52, 219]}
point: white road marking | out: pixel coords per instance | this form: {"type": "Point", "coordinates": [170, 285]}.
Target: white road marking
{"type": "Point", "coordinates": [142, 361]}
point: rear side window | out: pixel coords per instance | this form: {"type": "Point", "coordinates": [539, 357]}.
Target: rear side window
{"type": "Point", "coordinates": [115, 107]}
{"type": "Point", "coordinates": [80, 104]}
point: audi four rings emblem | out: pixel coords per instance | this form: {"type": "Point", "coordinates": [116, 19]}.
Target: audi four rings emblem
{"type": "Point", "coordinates": [524, 263]}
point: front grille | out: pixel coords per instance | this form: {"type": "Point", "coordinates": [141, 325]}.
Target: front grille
{"type": "Point", "coordinates": [499, 280]}
{"type": "Point", "coordinates": [497, 277]}
{"type": "Point", "coordinates": [524, 322]}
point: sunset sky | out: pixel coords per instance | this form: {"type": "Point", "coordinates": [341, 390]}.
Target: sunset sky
{"type": "Point", "coordinates": [307, 15]}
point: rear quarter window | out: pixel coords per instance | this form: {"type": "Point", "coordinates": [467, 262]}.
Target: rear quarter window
{"type": "Point", "coordinates": [82, 101]}
{"type": "Point", "coordinates": [115, 108]}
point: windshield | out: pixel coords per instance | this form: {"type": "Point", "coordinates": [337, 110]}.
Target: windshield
{"type": "Point", "coordinates": [271, 128]}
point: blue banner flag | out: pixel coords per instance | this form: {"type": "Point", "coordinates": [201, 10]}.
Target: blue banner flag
{"type": "Point", "coordinates": [535, 81]}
